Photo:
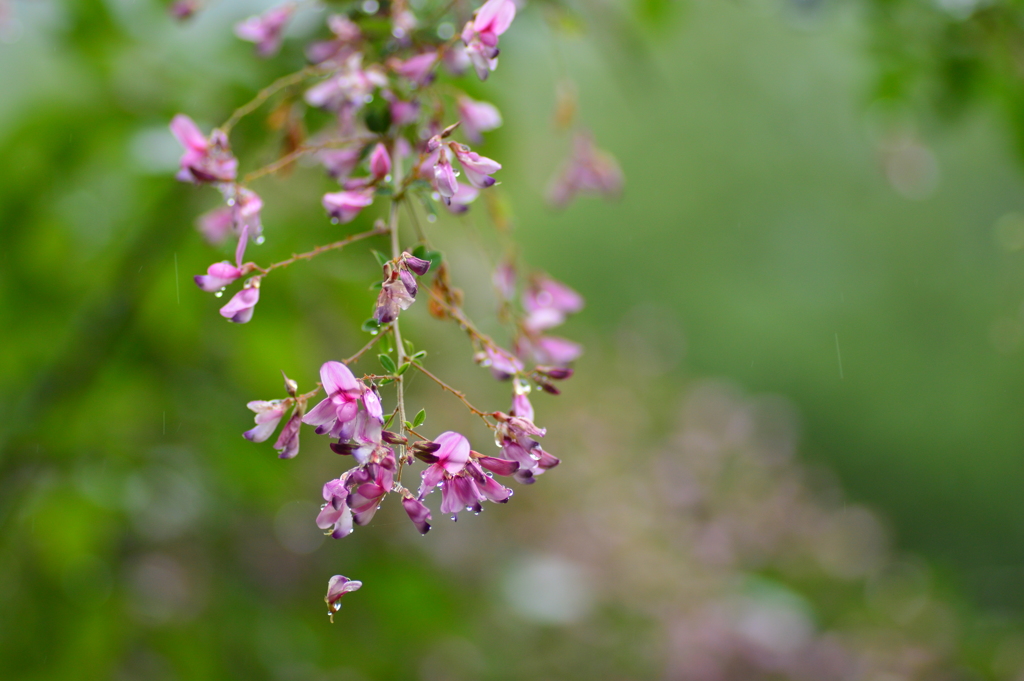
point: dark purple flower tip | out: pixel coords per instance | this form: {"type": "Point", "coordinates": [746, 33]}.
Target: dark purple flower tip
{"type": "Point", "coordinates": [426, 457]}
{"type": "Point", "coordinates": [343, 448]}
{"type": "Point", "coordinates": [556, 373]}
{"type": "Point", "coordinates": [525, 477]}
{"type": "Point", "coordinates": [498, 466]}
{"type": "Point", "coordinates": [419, 514]}
{"type": "Point", "coordinates": [417, 265]}
{"type": "Point", "coordinates": [426, 446]}
{"type": "Point", "coordinates": [409, 282]}
{"type": "Point", "coordinates": [393, 438]}
{"type": "Point", "coordinates": [548, 388]}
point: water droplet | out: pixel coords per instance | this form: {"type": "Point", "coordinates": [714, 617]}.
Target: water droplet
{"type": "Point", "coordinates": [511, 492]}
{"type": "Point", "coordinates": [334, 221]}
{"type": "Point", "coordinates": [368, 98]}
{"type": "Point", "coordinates": [231, 202]}
{"type": "Point", "coordinates": [371, 6]}
{"type": "Point", "coordinates": [445, 31]}
{"type": "Point", "coordinates": [387, 178]}
{"type": "Point", "coordinates": [398, 32]}
{"type": "Point", "coordinates": [219, 293]}
{"type": "Point", "coordinates": [378, 507]}
{"type": "Point", "coordinates": [455, 517]}
{"type": "Point", "coordinates": [477, 513]}
{"type": "Point", "coordinates": [260, 240]}
{"type": "Point", "coordinates": [336, 606]}
{"type": "Point", "coordinates": [431, 218]}
{"type": "Point", "coordinates": [435, 196]}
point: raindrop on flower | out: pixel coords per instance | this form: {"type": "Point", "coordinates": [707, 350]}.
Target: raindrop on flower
{"type": "Point", "coordinates": [336, 606]}
{"type": "Point", "coordinates": [219, 293]}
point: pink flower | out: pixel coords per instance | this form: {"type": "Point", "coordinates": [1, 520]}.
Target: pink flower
{"type": "Point", "coordinates": [215, 225]}
{"type": "Point", "coordinates": [403, 112]}
{"type": "Point", "coordinates": [481, 34]}
{"type": "Point", "coordinates": [342, 402]}
{"type": "Point", "coordinates": [418, 513]}
{"type": "Point", "coordinates": [340, 162]}
{"type": "Point", "coordinates": [444, 177]}
{"type": "Point", "coordinates": [287, 443]}
{"type": "Point", "coordinates": [345, 206]}
{"type": "Point", "coordinates": [418, 69]}
{"type": "Point", "coordinates": [268, 415]}
{"type": "Point", "coordinates": [450, 458]}
{"type": "Point", "coordinates": [516, 433]}
{"type": "Point", "coordinates": [204, 160]}
{"type": "Point", "coordinates": [549, 349]}
{"type": "Point", "coordinates": [503, 363]}
{"type": "Point", "coordinates": [336, 588]}
{"type": "Point", "coordinates": [240, 308]}
{"type": "Point", "coordinates": [588, 170]}
{"type": "Point", "coordinates": [218, 275]}
{"type": "Point", "coordinates": [183, 9]}
{"type": "Point", "coordinates": [349, 87]}
{"type": "Point", "coordinates": [346, 32]}
{"type": "Point", "coordinates": [380, 161]}
{"type": "Point", "coordinates": [464, 195]}
{"type": "Point", "coordinates": [265, 30]}
{"type": "Point", "coordinates": [478, 168]}
{"type": "Point", "coordinates": [477, 117]}
{"type": "Point", "coordinates": [504, 279]}
{"type": "Point", "coordinates": [548, 303]}
{"type": "Point", "coordinates": [335, 515]}
{"type": "Point", "coordinates": [368, 486]}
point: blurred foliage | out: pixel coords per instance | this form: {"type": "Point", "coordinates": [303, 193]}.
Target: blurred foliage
{"type": "Point", "coordinates": [867, 266]}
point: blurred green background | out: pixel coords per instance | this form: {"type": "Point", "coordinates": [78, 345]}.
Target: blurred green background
{"type": "Point", "coordinates": [822, 204]}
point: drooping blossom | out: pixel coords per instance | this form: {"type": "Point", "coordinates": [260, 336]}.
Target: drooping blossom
{"type": "Point", "coordinates": [346, 34]}
{"type": "Point", "coordinates": [380, 161]}
{"type": "Point", "coordinates": [477, 117]}
{"type": "Point", "coordinates": [502, 363]}
{"type": "Point", "coordinates": [342, 402]}
{"type": "Point", "coordinates": [481, 34]}
{"type": "Point", "coordinates": [478, 168]}
{"type": "Point", "coordinates": [287, 443]}
{"type": "Point", "coordinates": [448, 460]}
{"type": "Point", "coordinates": [504, 279]}
{"type": "Point", "coordinates": [340, 163]}
{"type": "Point", "coordinates": [240, 308]}
{"type": "Point", "coordinates": [265, 30]}
{"type": "Point", "coordinates": [215, 225]}
{"type": "Point", "coordinates": [418, 513]}
{"type": "Point", "coordinates": [548, 303]}
{"type": "Point", "coordinates": [335, 515]}
{"type": "Point", "coordinates": [369, 484]}
{"type": "Point", "coordinates": [349, 87]}
{"type": "Point", "coordinates": [268, 415]}
{"type": "Point", "coordinates": [345, 206]}
{"type": "Point", "coordinates": [399, 289]}
{"type": "Point", "coordinates": [204, 160]}
{"type": "Point", "coordinates": [362, 438]}
{"type": "Point", "coordinates": [418, 70]}
{"type": "Point", "coordinates": [337, 587]}
{"type": "Point", "coordinates": [588, 170]}
{"type": "Point", "coordinates": [548, 349]}
{"type": "Point", "coordinates": [517, 435]}
{"type": "Point", "coordinates": [463, 196]}
{"type": "Point", "coordinates": [181, 10]}
{"type": "Point", "coordinates": [218, 275]}
{"type": "Point", "coordinates": [444, 177]}
{"type": "Point", "coordinates": [402, 112]}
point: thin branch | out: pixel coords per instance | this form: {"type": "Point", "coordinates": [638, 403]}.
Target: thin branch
{"type": "Point", "coordinates": [458, 393]}
{"type": "Point", "coordinates": [373, 341]}
{"type": "Point", "coordinates": [267, 92]}
{"type": "Point", "coordinates": [295, 154]}
{"type": "Point", "coordinates": [309, 255]}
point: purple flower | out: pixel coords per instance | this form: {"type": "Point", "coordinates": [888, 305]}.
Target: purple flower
{"type": "Point", "coordinates": [444, 177]}
{"type": "Point", "coordinates": [369, 485]}
{"type": "Point", "coordinates": [396, 294]}
{"type": "Point", "coordinates": [449, 459]}
{"type": "Point", "coordinates": [268, 415]}
{"type": "Point", "coordinates": [477, 168]}
{"type": "Point", "coordinates": [504, 279]}
{"type": "Point", "coordinates": [340, 163]}
{"type": "Point", "coordinates": [418, 512]}
{"type": "Point", "coordinates": [481, 34]}
{"type": "Point", "coordinates": [361, 437]}
{"type": "Point", "coordinates": [240, 308]}
{"type": "Point", "coordinates": [548, 349]}
{"type": "Point", "coordinates": [403, 112]}
{"type": "Point", "coordinates": [335, 515]}
{"type": "Point", "coordinates": [548, 303]}
{"type": "Point", "coordinates": [516, 433]}
{"type": "Point", "coordinates": [346, 32]}
{"type": "Point", "coordinates": [265, 30]}
{"type": "Point", "coordinates": [342, 402]}
{"type": "Point", "coordinates": [215, 225]}
{"type": "Point", "coordinates": [183, 9]}
{"type": "Point", "coordinates": [287, 443]}
{"type": "Point", "coordinates": [336, 588]}
{"type": "Point", "coordinates": [380, 161]}
{"type": "Point", "coordinates": [418, 69]}
{"type": "Point", "coordinates": [463, 196]}
{"type": "Point", "coordinates": [503, 364]}
{"type": "Point", "coordinates": [204, 160]}
{"type": "Point", "coordinates": [345, 206]}
{"type": "Point", "coordinates": [218, 275]}
{"type": "Point", "coordinates": [588, 170]}
{"type": "Point", "coordinates": [348, 88]}
{"type": "Point", "coordinates": [477, 117]}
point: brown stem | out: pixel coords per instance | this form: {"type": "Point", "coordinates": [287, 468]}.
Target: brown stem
{"type": "Point", "coordinates": [309, 255]}
{"type": "Point", "coordinates": [373, 341]}
{"type": "Point", "coordinates": [265, 94]}
{"type": "Point", "coordinates": [458, 393]}
{"type": "Point", "coordinates": [291, 156]}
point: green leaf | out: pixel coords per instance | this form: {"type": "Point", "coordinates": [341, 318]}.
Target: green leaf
{"type": "Point", "coordinates": [402, 369]}
{"type": "Point", "coordinates": [420, 418]}
{"type": "Point", "coordinates": [419, 355]}
{"type": "Point", "coordinates": [371, 326]}
{"type": "Point", "coordinates": [381, 258]}
{"type": "Point", "coordinates": [387, 363]}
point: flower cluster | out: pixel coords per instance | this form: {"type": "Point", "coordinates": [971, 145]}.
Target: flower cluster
{"type": "Point", "coordinates": [391, 138]}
